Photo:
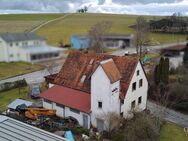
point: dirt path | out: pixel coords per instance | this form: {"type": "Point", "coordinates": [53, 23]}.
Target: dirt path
{"type": "Point", "coordinates": [50, 21]}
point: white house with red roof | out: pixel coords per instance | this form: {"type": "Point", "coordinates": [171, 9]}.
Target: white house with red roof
{"type": "Point", "coordinates": [91, 86]}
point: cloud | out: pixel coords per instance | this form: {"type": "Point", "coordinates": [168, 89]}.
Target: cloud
{"type": "Point", "coordinates": [139, 7]}
{"type": "Point", "coordinates": [165, 8]}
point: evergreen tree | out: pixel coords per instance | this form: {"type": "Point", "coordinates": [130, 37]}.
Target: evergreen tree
{"type": "Point", "coordinates": [185, 57]}
{"type": "Point", "coordinates": [162, 71]}
{"type": "Point", "coordinates": [166, 70]}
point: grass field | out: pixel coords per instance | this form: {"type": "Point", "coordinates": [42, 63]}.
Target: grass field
{"type": "Point", "coordinates": [23, 22]}
{"type": "Point", "coordinates": [75, 24]}
{"type": "Point", "coordinates": [16, 68]}
{"type": "Point", "coordinates": [9, 96]}
{"type": "Point", "coordinates": [172, 132]}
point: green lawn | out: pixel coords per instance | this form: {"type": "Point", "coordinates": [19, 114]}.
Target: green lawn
{"type": "Point", "coordinates": [172, 132]}
{"type": "Point", "coordinates": [76, 24]}
{"type": "Point", "coordinates": [9, 96]}
{"type": "Point", "coordinates": [16, 68]}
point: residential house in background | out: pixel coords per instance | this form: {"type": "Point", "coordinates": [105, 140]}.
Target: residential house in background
{"type": "Point", "coordinates": [109, 41]}
{"type": "Point", "coordinates": [90, 86]}
{"type": "Point", "coordinates": [27, 47]}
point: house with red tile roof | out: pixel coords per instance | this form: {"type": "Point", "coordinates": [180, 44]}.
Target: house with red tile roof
{"type": "Point", "coordinates": [90, 86]}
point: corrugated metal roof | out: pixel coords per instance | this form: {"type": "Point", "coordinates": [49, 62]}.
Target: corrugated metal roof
{"type": "Point", "coordinates": [13, 37]}
{"type": "Point", "coordinates": [13, 130]}
{"type": "Point", "coordinates": [17, 102]}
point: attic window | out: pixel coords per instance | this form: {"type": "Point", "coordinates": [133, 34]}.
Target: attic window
{"type": "Point", "coordinates": [83, 78]}
{"type": "Point", "coordinates": [91, 61]}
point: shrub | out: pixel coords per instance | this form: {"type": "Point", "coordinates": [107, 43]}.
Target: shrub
{"type": "Point", "coordinates": [10, 85]}
{"type": "Point", "coordinates": [80, 130]}
{"type": "Point", "coordinates": [181, 106]}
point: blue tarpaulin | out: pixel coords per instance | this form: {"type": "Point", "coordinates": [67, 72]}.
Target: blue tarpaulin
{"type": "Point", "coordinates": [69, 136]}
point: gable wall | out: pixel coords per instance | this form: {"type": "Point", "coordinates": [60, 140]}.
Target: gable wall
{"type": "Point", "coordinates": [134, 95]}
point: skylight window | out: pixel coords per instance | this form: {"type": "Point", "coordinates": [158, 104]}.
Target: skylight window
{"type": "Point", "coordinates": [91, 61]}
{"type": "Point", "coordinates": [83, 78]}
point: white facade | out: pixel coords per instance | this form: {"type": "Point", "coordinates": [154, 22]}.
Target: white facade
{"type": "Point", "coordinates": [133, 95]}
{"type": "Point", "coordinates": [103, 91]}
{"type": "Point", "coordinates": [63, 111]}
{"type": "Point", "coordinates": [28, 51]}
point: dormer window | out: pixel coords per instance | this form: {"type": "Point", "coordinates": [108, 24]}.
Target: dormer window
{"type": "Point", "coordinates": [83, 78]}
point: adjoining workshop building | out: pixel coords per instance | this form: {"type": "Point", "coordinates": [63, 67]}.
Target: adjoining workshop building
{"type": "Point", "coordinates": [109, 41]}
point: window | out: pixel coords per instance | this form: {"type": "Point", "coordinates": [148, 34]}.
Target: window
{"type": "Point", "coordinates": [74, 110]}
{"type": "Point", "coordinates": [133, 105]}
{"type": "Point", "coordinates": [140, 100]}
{"type": "Point", "coordinates": [134, 86]}
{"type": "Point", "coordinates": [121, 114]}
{"type": "Point", "coordinates": [17, 43]}
{"type": "Point", "coordinates": [59, 105]}
{"type": "Point", "coordinates": [100, 104]}
{"type": "Point", "coordinates": [140, 83]}
{"type": "Point", "coordinates": [11, 44]}
{"type": "Point", "coordinates": [138, 72]}
{"type": "Point", "coordinates": [47, 101]}
{"type": "Point", "coordinates": [11, 55]}
{"type": "Point", "coordinates": [122, 101]}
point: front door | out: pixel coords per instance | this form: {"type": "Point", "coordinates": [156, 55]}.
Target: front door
{"type": "Point", "coordinates": [100, 125]}
{"type": "Point", "coordinates": [85, 121]}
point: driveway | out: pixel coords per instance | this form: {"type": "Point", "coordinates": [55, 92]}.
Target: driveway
{"type": "Point", "coordinates": [168, 114]}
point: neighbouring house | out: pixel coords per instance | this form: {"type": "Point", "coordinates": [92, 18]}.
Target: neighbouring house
{"type": "Point", "coordinates": [109, 41]}
{"type": "Point", "coordinates": [14, 130]}
{"type": "Point", "coordinates": [90, 86]}
{"type": "Point", "coordinates": [27, 47]}
{"type": "Point", "coordinates": [175, 54]}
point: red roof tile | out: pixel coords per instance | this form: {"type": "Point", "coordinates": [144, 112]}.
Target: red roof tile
{"type": "Point", "coordinates": [68, 97]}
{"type": "Point", "coordinates": [111, 70]}
{"type": "Point", "coordinates": [78, 64]}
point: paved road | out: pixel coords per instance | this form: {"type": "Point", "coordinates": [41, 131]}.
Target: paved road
{"type": "Point", "coordinates": [34, 77]}
{"type": "Point", "coordinates": [168, 114]}
{"type": "Point", "coordinates": [151, 48]}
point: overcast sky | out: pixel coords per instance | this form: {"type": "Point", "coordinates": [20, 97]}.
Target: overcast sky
{"type": "Point", "coordinates": [140, 7]}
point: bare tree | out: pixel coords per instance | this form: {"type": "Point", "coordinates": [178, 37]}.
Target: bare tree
{"type": "Point", "coordinates": [141, 35]}
{"type": "Point", "coordinates": [96, 33]}
{"type": "Point", "coordinates": [112, 122]}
